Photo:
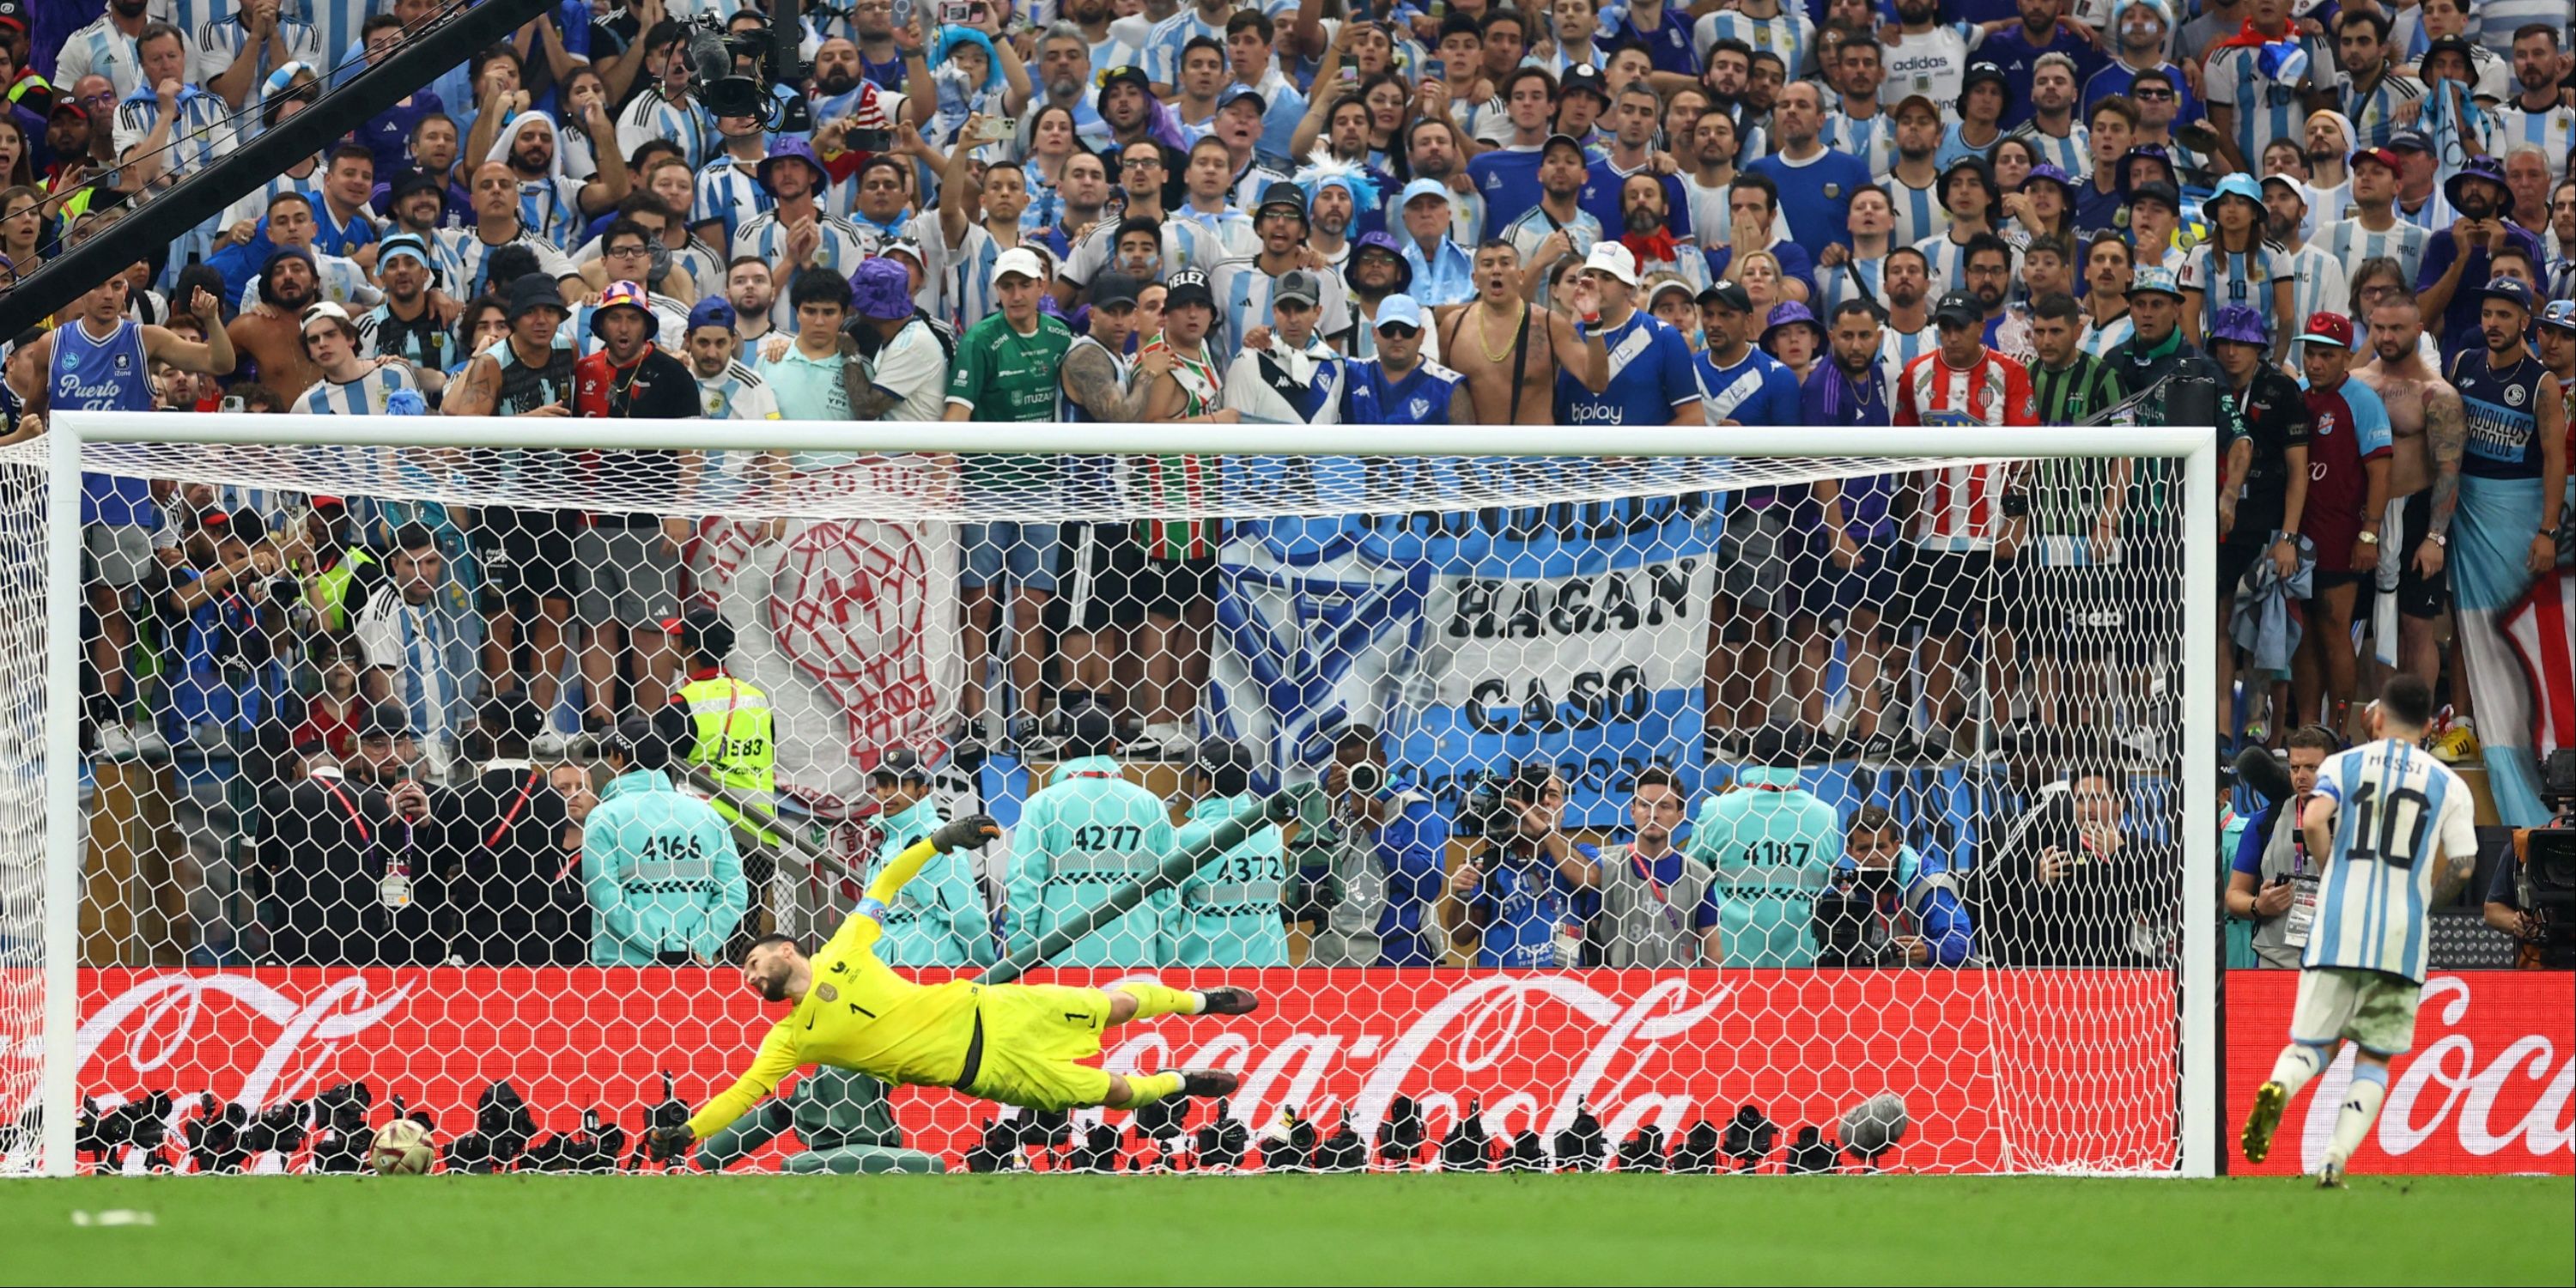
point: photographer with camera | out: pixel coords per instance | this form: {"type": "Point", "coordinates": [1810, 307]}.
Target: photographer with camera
{"type": "Point", "coordinates": [2532, 896]}
{"type": "Point", "coordinates": [347, 854]}
{"type": "Point", "coordinates": [1514, 902]}
{"type": "Point", "coordinates": [2273, 880]}
{"type": "Point", "coordinates": [222, 607]}
{"type": "Point", "coordinates": [1651, 893]}
{"type": "Point", "coordinates": [1368, 877]}
{"type": "Point", "coordinates": [1883, 908]}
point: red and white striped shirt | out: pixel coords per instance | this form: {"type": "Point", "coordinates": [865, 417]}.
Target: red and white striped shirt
{"type": "Point", "coordinates": [1961, 508]}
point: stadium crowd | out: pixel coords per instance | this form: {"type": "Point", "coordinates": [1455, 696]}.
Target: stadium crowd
{"type": "Point", "coordinates": [2351, 225]}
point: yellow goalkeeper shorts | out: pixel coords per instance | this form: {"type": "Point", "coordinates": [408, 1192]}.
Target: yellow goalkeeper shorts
{"type": "Point", "coordinates": [1034, 1037]}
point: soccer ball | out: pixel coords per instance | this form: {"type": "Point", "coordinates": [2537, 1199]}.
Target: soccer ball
{"type": "Point", "coordinates": [402, 1148]}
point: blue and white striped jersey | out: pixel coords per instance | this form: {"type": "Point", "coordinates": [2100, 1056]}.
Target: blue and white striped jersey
{"type": "Point", "coordinates": [341, 282]}
{"type": "Point", "coordinates": [364, 396]}
{"type": "Point", "coordinates": [2072, 154]}
{"type": "Point", "coordinates": [202, 132]}
{"type": "Point", "coordinates": [1897, 349]}
{"type": "Point", "coordinates": [2493, 22]}
{"type": "Point", "coordinates": [2265, 109]}
{"type": "Point", "coordinates": [2350, 243]}
{"type": "Point", "coordinates": [2317, 283]}
{"type": "Point", "coordinates": [2234, 277]}
{"type": "Point", "coordinates": [2401, 817]}
{"type": "Point", "coordinates": [1948, 262]}
{"type": "Point", "coordinates": [959, 280]}
{"type": "Point", "coordinates": [730, 195]}
{"type": "Point", "coordinates": [738, 394]}
{"type": "Point", "coordinates": [461, 256]}
{"type": "Point", "coordinates": [99, 49]}
{"type": "Point", "coordinates": [2374, 111]}
{"type": "Point", "coordinates": [1919, 212]}
{"type": "Point", "coordinates": [213, 46]}
{"type": "Point", "coordinates": [2100, 340]}
{"type": "Point", "coordinates": [1872, 138]}
{"type": "Point", "coordinates": [842, 246]}
{"type": "Point", "coordinates": [1185, 245]}
{"type": "Point", "coordinates": [1857, 279]}
{"type": "Point", "coordinates": [1533, 228]}
{"type": "Point", "coordinates": [188, 15]}
{"type": "Point", "coordinates": [1163, 47]}
{"type": "Point", "coordinates": [1791, 35]}
{"type": "Point", "coordinates": [551, 208]}
{"type": "Point", "coordinates": [650, 115]}
{"type": "Point", "coordinates": [1244, 294]}
{"type": "Point", "coordinates": [2553, 131]}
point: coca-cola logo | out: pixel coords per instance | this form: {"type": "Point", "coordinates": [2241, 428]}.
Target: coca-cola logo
{"type": "Point", "coordinates": [230, 1034]}
{"type": "Point", "coordinates": [1478, 1034]}
{"type": "Point", "coordinates": [2522, 1096]}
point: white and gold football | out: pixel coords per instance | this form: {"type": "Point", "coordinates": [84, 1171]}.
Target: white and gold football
{"type": "Point", "coordinates": [402, 1148]}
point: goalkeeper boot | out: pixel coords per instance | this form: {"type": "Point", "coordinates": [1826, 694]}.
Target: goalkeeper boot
{"type": "Point", "coordinates": [1200, 1083]}
{"type": "Point", "coordinates": [2269, 1100]}
{"type": "Point", "coordinates": [1229, 1000]}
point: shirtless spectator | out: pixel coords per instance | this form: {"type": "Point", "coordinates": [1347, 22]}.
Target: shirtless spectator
{"type": "Point", "coordinates": [2428, 428]}
{"type": "Point", "coordinates": [1510, 349]}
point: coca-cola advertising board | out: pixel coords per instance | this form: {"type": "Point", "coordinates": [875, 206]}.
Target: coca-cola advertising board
{"type": "Point", "coordinates": [2489, 1088]}
{"type": "Point", "coordinates": [2000, 1070]}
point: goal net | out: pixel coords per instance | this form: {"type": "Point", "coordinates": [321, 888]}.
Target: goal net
{"type": "Point", "coordinates": [1804, 808]}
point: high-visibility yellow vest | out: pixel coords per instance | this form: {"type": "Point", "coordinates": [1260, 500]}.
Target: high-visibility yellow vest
{"type": "Point", "coordinates": [736, 734]}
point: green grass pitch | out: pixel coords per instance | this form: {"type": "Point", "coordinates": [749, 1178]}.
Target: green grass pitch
{"type": "Point", "coordinates": [1286, 1230]}
{"type": "Point", "coordinates": [1890, 1230]}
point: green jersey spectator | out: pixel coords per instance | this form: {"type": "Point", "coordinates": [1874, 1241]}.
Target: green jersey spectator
{"type": "Point", "coordinates": [1228, 911]}
{"type": "Point", "coordinates": [1087, 834]}
{"type": "Point", "coordinates": [1770, 846]}
{"type": "Point", "coordinates": [1007, 367]}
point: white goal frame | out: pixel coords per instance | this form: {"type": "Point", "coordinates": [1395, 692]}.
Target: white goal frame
{"type": "Point", "coordinates": [2199, 1138]}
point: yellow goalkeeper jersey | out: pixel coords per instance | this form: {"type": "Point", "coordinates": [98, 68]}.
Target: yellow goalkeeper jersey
{"type": "Point", "coordinates": [859, 1015]}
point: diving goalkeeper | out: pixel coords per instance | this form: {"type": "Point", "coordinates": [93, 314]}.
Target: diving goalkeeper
{"type": "Point", "coordinates": [1015, 1043]}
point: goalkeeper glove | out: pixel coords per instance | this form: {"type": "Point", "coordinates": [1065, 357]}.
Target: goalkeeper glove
{"type": "Point", "coordinates": [968, 833]}
{"type": "Point", "coordinates": [666, 1144]}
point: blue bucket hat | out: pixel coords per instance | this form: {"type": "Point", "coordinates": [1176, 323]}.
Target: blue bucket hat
{"type": "Point", "coordinates": [2234, 185]}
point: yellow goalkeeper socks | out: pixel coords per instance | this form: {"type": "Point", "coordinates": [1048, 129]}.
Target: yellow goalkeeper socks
{"type": "Point", "coordinates": [1154, 999]}
{"type": "Point", "coordinates": [1145, 1088]}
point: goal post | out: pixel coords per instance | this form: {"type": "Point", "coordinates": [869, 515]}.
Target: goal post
{"type": "Point", "coordinates": [910, 474]}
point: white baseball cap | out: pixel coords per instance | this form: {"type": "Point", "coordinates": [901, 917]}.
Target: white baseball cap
{"type": "Point", "coordinates": [325, 310]}
{"type": "Point", "coordinates": [1614, 259]}
{"type": "Point", "coordinates": [1020, 260]}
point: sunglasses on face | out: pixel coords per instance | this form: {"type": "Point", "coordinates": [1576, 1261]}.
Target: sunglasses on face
{"type": "Point", "coordinates": [1399, 331]}
{"type": "Point", "coordinates": [2152, 94]}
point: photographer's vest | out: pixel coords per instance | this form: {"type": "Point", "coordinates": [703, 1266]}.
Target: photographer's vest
{"type": "Point", "coordinates": [736, 736]}
{"type": "Point", "coordinates": [2285, 858]}
{"type": "Point", "coordinates": [1645, 921]}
